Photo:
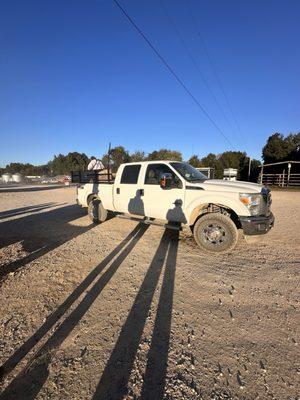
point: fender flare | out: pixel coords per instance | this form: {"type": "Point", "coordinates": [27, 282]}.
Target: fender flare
{"type": "Point", "coordinates": [198, 210]}
{"type": "Point", "coordinates": [91, 197]}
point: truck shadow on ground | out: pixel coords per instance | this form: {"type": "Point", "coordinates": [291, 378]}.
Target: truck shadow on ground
{"type": "Point", "coordinates": [28, 189]}
{"type": "Point", "coordinates": [113, 383]}
{"type": "Point", "coordinates": [29, 382]}
{"type": "Point", "coordinates": [25, 210]}
{"type": "Point", "coordinates": [39, 233]}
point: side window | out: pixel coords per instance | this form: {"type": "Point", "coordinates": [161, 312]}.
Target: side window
{"type": "Point", "coordinates": [130, 174]}
{"type": "Point", "coordinates": [154, 172]}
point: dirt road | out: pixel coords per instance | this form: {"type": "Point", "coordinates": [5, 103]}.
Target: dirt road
{"type": "Point", "coordinates": [122, 311]}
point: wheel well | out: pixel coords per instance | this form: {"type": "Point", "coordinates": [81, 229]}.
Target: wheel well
{"type": "Point", "coordinates": [91, 197]}
{"type": "Point", "coordinates": [215, 208]}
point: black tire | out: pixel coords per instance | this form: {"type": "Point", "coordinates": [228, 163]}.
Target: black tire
{"type": "Point", "coordinates": [97, 212]}
{"type": "Point", "coordinates": [215, 233]}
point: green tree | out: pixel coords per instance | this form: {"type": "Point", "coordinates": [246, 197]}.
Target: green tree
{"type": "Point", "coordinates": [195, 161]}
{"type": "Point", "coordinates": [63, 165]}
{"type": "Point", "coordinates": [234, 159]}
{"type": "Point", "coordinates": [254, 171]}
{"type": "Point", "coordinates": [138, 156]}
{"type": "Point", "coordinates": [76, 161]}
{"type": "Point", "coordinates": [118, 156]}
{"type": "Point", "coordinates": [212, 161]}
{"type": "Point", "coordinates": [293, 145]}
{"type": "Point", "coordinates": [24, 169]}
{"type": "Point", "coordinates": [27, 169]}
{"type": "Point", "coordinates": [14, 168]}
{"type": "Point", "coordinates": [165, 154]}
{"type": "Point", "coordinates": [276, 149]}
{"type": "Point", "coordinates": [58, 164]}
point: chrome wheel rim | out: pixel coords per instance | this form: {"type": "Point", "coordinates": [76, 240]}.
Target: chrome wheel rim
{"type": "Point", "coordinates": [214, 234]}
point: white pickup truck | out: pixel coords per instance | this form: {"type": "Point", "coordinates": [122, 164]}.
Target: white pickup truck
{"type": "Point", "coordinates": [176, 193]}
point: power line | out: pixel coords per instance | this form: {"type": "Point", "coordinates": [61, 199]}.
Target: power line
{"type": "Point", "coordinates": [171, 70]}
{"type": "Point", "coordinates": [217, 77]}
{"type": "Point", "coordinates": [222, 90]}
{"type": "Point", "coordinates": [195, 63]}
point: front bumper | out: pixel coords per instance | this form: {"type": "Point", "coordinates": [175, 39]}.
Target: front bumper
{"type": "Point", "coordinates": [257, 225]}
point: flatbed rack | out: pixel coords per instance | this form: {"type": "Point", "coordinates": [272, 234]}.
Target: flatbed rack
{"type": "Point", "coordinates": [92, 177]}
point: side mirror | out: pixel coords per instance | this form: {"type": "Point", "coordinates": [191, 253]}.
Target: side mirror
{"type": "Point", "coordinates": [166, 181]}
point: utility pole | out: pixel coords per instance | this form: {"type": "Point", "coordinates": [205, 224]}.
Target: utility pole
{"type": "Point", "coordinates": [108, 162]}
{"type": "Point", "coordinates": [289, 174]}
{"type": "Point", "coordinates": [249, 169]}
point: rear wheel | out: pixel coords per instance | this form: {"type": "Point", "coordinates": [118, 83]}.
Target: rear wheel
{"type": "Point", "coordinates": [215, 233]}
{"type": "Point", "coordinates": [97, 213]}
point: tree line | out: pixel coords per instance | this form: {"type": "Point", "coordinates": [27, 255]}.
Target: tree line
{"type": "Point", "coordinates": [280, 148]}
{"type": "Point", "coordinates": [277, 148]}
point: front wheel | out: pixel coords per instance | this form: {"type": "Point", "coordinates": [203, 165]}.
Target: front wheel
{"type": "Point", "coordinates": [97, 213]}
{"type": "Point", "coordinates": [215, 233]}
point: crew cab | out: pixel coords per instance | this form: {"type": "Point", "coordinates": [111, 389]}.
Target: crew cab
{"type": "Point", "coordinates": [178, 194]}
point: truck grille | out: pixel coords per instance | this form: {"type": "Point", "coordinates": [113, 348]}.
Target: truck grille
{"type": "Point", "coordinates": [267, 200]}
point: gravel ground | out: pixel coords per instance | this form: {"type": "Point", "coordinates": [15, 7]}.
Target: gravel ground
{"type": "Point", "coordinates": [123, 311]}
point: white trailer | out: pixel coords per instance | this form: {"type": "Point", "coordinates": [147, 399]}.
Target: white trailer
{"type": "Point", "coordinates": [230, 174]}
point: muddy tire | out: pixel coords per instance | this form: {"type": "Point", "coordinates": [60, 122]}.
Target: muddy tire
{"type": "Point", "coordinates": [97, 212]}
{"type": "Point", "coordinates": [215, 233]}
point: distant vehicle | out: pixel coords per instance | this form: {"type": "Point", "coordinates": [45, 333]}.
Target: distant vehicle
{"type": "Point", "coordinates": [67, 181]}
{"type": "Point", "coordinates": [230, 174]}
{"type": "Point", "coordinates": [179, 194]}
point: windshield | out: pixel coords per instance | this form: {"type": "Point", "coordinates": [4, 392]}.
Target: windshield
{"type": "Point", "coordinates": [188, 172]}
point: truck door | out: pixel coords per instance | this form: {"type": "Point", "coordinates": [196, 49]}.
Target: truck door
{"type": "Point", "coordinates": [166, 204]}
{"type": "Point", "coordinates": [127, 195]}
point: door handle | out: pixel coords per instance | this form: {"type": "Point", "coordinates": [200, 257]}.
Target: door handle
{"type": "Point", "coordinates": [141, 192]}
{"type": "Point", "coordinates": [118, 190]}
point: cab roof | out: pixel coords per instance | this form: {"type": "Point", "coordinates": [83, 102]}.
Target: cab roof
{"type": "Point", "coordinates": [153, 161]}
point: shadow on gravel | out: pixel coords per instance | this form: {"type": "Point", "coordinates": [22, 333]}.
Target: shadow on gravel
{"type": "Point", "coordinates": [25, 210]}
{"type": "Point", "coordinates": [40, 233]}
{"type": "Point", "coordinates": [28, 189]}
{"type": "Point", "coordinates": [113, 383]}
{"type": "Point", "coordinates": [29, 382]}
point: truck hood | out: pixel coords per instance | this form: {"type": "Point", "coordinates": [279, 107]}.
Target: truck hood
{"type": "Point", "coordinates": [230, 186]}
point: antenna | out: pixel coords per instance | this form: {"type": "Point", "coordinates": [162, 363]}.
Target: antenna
{"type": "Point", "coordinates": [108, 161]}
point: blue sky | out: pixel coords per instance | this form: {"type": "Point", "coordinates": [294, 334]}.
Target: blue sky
{"type": "Point", "coordinates": [76, 75]}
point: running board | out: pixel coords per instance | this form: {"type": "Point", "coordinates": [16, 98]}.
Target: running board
{"type": "Point", "coordinates": [147, 221]}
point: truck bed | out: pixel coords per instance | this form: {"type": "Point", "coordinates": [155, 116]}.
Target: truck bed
{"type": "Point", "coordinates": [92, 177]}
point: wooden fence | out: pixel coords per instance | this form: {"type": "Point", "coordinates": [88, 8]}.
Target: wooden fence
{"type": "Point", "coordinates": [282, 180]}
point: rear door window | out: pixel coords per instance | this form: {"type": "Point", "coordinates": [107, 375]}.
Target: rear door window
{"type": "Point", "coordinates": [130, 174]}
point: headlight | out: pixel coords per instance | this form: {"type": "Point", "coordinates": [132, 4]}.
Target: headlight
{"type": "Point", "coordinates": [252, 202]}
